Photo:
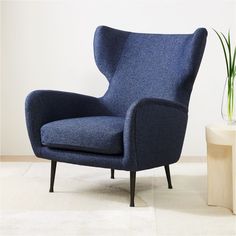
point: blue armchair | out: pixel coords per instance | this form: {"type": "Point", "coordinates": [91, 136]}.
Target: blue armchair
{"type": "Point", "coordinates": [141, 120]}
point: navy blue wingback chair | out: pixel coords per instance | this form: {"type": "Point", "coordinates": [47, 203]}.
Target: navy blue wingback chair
{"type": "Point", "coordinates": [141, 120]}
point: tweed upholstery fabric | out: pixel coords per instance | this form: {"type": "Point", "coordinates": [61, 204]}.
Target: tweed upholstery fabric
{"type": "Point", "coordinates": [150, 81]}
{"type": "Point", "coordinates": [44, 106]}
{"type": "Point", "coordinates": [98, 134]}
{"type": "Point", "coordinates": [150, 65]}
{"type": "Point", "coordinates": [153, 133]}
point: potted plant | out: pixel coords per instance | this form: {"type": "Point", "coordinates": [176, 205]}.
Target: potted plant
{"type": "Point", "coordinates": [228, 107]}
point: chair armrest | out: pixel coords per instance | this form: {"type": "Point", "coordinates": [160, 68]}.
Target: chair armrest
{"type": "Point", "coordinates": [154, 131]}
{"type": "Point", "coordinates": [43, 106]}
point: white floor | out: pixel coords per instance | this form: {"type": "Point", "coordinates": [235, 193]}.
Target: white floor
{"type": "Point", "coordinates": [87, 202]}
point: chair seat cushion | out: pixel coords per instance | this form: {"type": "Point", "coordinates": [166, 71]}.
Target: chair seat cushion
{"type": "Point", "coordinates": [98, 134]}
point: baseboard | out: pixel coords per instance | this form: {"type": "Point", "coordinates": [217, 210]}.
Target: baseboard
{"type": "Point", "coordinates": [22, 158]}
{"type": "Point", "coordinates": [193, 159]}
{"type": "Point", "coordinates": [36, 159]}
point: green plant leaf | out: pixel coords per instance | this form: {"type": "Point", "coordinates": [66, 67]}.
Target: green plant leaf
{"type": "Point", "coordinates": [233, 63]}
{"type": "Point", "coordinates": [225, 54]}
{"type": "Point", "coordinates": [227, 41]}
{"type": "Point", "coordinates": [230, 56]}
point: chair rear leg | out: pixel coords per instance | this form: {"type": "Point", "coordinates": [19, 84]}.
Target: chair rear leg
{"type": "Point", "coordinates": [52, 178]}
{"type": "Point", "coordinates": [167, 169]}
{"type": "Point", "coordinates": [112, 174]}
{"type": "Point", "coordinates": [132, 187]}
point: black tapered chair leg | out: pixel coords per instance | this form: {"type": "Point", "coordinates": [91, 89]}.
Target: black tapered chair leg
{"type": "Point", "coordinates": [167, 169]}
{"type": "Point", "coordinates": [132, 187]}
{"type": "Point", "coordinates": [112, 174]}
{"type": "Point", "coordinates": [52, 178]}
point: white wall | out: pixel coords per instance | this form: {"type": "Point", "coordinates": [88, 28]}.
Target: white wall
{"type": "Point", "coordinates": [48, 45]}
{"type": "Point", "coordinates": [0, 79]}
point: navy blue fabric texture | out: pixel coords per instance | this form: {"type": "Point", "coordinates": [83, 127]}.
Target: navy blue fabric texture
{"type": "Point", "coordinates": [44, 106]}
{"type": "Point", "coordinates": [150, 81]}
{"type": "Point", "coordinates": [98, 134]}
{"type": "Point", "coordinates": [150, 65]}
{"type": "Point", "coordinates": [153, 133]}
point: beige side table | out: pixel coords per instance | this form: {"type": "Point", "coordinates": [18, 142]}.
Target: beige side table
{"type": "Point", "coordinates": [221, 165]}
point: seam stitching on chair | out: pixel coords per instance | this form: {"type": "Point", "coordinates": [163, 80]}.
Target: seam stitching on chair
{"type": "Point", "coordinates": [120, 56]}
{"type": "Point", "coordinates": [135, 137]}
{"type": "Point", "coordinates": [166, 104]}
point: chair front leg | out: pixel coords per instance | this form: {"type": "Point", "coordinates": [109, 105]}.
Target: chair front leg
{"type": "Point", "coordinates": [132, 187]}
{"type": "Point", "coordinates": [167, 169]}
{"type": "Point", "coordinates": [52, 178]}
{"type": "Point", "coordinates": [112, 174]}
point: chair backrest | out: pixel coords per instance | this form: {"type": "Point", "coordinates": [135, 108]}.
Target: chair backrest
{"type": "Point", "coordinates": [141, 65]}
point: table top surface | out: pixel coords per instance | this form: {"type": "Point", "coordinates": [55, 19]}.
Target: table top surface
{"type": "Point", "coordinates": [222, 127]}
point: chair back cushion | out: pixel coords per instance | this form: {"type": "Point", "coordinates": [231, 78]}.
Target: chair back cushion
{"type": "Point", "coordinates": [141, 65]}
